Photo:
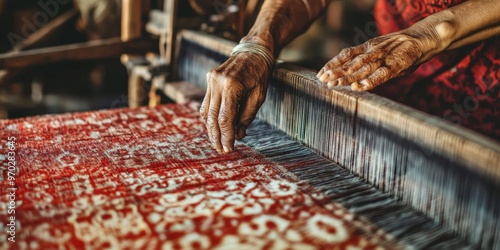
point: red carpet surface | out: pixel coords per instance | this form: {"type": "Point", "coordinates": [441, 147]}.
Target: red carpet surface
{"type": "Point", "coordinates": [149, 179]}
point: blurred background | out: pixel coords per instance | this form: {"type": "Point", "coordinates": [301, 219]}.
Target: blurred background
{"type": "Point", "coordinates": [33, 83]}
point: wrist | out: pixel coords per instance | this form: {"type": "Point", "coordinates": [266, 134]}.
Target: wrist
{"type": "Point", "coordinates": [427, 41]}
{"type": "Point", "coordinates": [434, 35]}
{"type": "Point", "coordinates": [263, 40]}
{"type": "Point", "coordinates": [445, 32]}
{"type": "Point", "coordinates": [257, 49]}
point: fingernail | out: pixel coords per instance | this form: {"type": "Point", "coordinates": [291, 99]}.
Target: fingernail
{"type": "Point", "coordinates": [364, 82]}
{"type": "Point", "coordinates": [320, 73]}
{"type": "Point", "coordinates": [325, 77]}
{"type": "Point", "coordinates": [332, 83]}
{"type": "Point", "coordinates": [355, 86]}
{"type": "Point", "coordinates": [241, 134]}
{"type": "Point", "coordinates": [226, 150]}
{"type": "Point", "coordinates": [319, 76]}
{"type": "Point", "coordinates": [341, 82]}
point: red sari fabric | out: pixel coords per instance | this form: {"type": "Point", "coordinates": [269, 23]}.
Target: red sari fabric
{"type": "Point", "coordinates": [149, 179]}
{"type": "Point", "coordinates": [461, 85]}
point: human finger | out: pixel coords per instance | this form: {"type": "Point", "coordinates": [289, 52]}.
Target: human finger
{"type": "Point", "coordinates": [380, 76]}
{"type": "Point", "coordinates": [344, 56]}
{"type": "Point", "coordinates": [213, 121]}
{"type": "Point", "coordinates": [205, 105]}
{"type": "Point", "coordinates": [227, 116]}
{"type": "Point", "coordinates": [359, 61]}
{"type": "Point", "coordinates": [362, 73]}
{"type": "Point", "coordinates": [248, 112]}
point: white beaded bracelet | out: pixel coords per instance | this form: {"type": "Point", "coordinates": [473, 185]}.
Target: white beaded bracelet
{"type": "Point", "coordinates": [256, 49]}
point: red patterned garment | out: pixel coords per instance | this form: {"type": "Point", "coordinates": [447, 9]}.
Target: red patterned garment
{"type": "Point", "coordinates": [149, 179]}
{"type": "Point", "coordinates": [461, 85]}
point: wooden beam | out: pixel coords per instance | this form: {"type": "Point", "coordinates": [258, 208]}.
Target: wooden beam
{"type": "Point", "coordinates": [171, 9]}
{"type": "Point", "coordinates": [99, 49]}
{"type": "Point", "coordinates": [40, 38]}
{"type": "Point", "coordinates": [48, 31]}
{"type": "Point", "coordinates": [251, 12]}
{"type": "Point", "coordinates": [131, 19]}
{"type": "Point", "coordinates": [240, 26]}
{"type": "Point", "coordinates": [183, 92]}
{"type": "Point", "coordinates": [136, 88]}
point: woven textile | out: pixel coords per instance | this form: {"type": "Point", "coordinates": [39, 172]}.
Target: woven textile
{"type": "Point", "coordinates": [149, 179]}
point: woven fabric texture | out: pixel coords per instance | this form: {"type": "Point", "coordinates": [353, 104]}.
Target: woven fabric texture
{"type": "Point", "coordinates": [149, 179]}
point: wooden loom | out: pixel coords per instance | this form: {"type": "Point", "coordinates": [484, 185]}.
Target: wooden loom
{"type": "Point", "coordinates": [429, 184]}
{"type": "Point", "coordinates": [413, 164]}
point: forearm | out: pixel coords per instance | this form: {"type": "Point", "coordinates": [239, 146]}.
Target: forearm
{"type": "Point", "coordinates": [280, 21]}
{"type": "Point", "coordinates": [466, 23]}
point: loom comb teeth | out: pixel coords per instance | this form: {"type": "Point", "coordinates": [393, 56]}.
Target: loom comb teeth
{"type": "Point", "coordinates": [433, 168]}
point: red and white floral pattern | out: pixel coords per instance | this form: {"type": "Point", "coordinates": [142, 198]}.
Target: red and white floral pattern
{"type": "Point", "coordinates": [149, 179]}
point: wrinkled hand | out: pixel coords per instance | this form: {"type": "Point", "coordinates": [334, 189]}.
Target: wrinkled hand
{"type": "Point", "coordinates": [235, 92]}
{"type": "Point", "coordinates": [378, 60]}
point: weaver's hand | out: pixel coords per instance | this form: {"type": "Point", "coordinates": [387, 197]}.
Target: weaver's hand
{"type": "Point", "coordinates": [378, 60]}
{"type": "Point", "coordinates": [235, 92]}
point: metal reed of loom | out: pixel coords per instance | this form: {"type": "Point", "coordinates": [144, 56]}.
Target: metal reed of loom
{"type": "Point", "coordinates": [441, 171]}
